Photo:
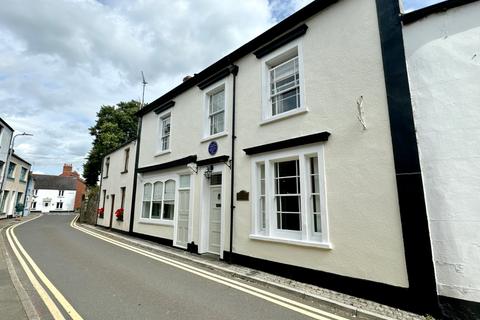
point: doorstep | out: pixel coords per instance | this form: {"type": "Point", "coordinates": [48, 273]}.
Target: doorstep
{"type": "Point", "coordinates": [332, 301]}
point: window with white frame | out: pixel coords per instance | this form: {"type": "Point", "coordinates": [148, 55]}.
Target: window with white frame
{"type": "Point", "coordinates": [61, 193]}
{"type": "Point", "coordinates": [290, 200]}
{"type": "Point", "coordinates": [283, 82]}
{"type": "Point", "coordinates": [164, 126]}
{"type": "Point", "coordinates": [59, 205]}
{"type": "Point", "coordinates": [216, 110]}
{"type": "Point", "coordinates": [158, 201]}
{"type": "Point", "coordinates": [11, 170]}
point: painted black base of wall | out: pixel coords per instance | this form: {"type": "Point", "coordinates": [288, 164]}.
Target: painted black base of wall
{"type": "Point", "coordinates": [393, 296]}
{"type": "Point", "coordinates": [113, 229]}
{"type": "Point", "coordinates": [453, 308]}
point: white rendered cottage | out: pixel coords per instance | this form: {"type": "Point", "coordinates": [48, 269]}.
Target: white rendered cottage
{"type": "Point", "coordinates": [116, 187]}
{"type": "Point", "coordinates": [443, 58]}
{"type": "Point", "coordinates": [53, 193]}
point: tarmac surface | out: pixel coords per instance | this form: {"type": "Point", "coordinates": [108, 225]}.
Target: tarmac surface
{"type": "Point", "coordinates": [105, 281]}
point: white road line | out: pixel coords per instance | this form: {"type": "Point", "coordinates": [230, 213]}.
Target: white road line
{"type": "Point", "coordinates": [279, 300]}
{"type": "Point", "coordinates": [51, 306]}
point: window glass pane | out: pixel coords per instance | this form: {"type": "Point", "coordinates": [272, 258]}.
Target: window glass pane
{"type": "Point", "coordinates": [263, 221]}
{"type": "Point", "coordinates": [288, 204]}
{"type": "Point", "coordinates": [317, 223]}
{"type": "Point", "coordinates": [288, 186]}
{"type": "Point", "coordinates": [168, 209]}
{"type": "Point", "coordinates": [216, 179]}
{"type": "Point", "coordinates": [157, 191]}
{"type": "Point", "coordinates": [185, 181]}
{"type": "Point", "coordinates": [147, 191]}
{"type": "Point", "coordinates": [288, 221]}
{"type": "Point", "coordinates": [287, 168]}
{"type": "Point", "coordinates": [286, 101]}
{"type": "Point", "coordinates": [146, 209]}
{"type": "Point", "coordinates": [156, 209]}
{"type": "Point", "coordinates": [170, 190]}
{"type": "Point", "coordinates": [316, 203]}
{"type": "Point", "coordinates": [217, 123]}
{"type": "Point", "coordinates": [217, 102]}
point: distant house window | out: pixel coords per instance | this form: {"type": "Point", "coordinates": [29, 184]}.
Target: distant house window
{"type": "Point", "coordinates": [127, 156]}
{"type": "Point", "coordinates": [35, 192]}
{"type": "Point", "coordinates": [23, 174]}
{"type": "Point", "coordinates": [159, 200]}
{"type": "Point", "coordinates": [283, 82]}
{"type": "Point", "coordinates": [165, 132]}
{"type": "Point", "coordinates": [4, 200]}
{"type": "Point", "coordinates": [34, 205]}
{"type": "Point", "coordinates": [11, 170]}
{"type": "Point", "coordinates": [216, 110]}
{"type": "Point", "coordinates": [59, 205]}
{"type": "Point", "coordinates": [104, 198]}
{"type": "Point", "coordinates": [60, 193]}
{"type": "Point", "coordinates": [19, 197]}
{"type": "Point", "coordinates": [107, 167]}
{"type": "Point", "coordinates": [122, 194]}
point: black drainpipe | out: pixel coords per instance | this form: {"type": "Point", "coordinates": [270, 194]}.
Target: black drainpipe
{"type": "Point", "coordinates": [234, 71]}
{"type": "Point", "coordinates": [134, 189]}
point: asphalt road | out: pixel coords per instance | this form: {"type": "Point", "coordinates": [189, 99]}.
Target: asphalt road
{"type": "Point", "coordinates": [104, 281]}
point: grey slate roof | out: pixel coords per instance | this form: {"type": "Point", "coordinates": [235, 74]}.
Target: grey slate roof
{"type": "Point", "coordinates": [49, 182]}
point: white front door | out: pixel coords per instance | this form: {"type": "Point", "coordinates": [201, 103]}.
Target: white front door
{"type": "Point", "coordinates": [183, 218]}
{"type": "Point", "coordinates": [214, 234]}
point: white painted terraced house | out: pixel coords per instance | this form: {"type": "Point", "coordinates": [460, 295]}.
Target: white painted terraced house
{"type": "Point", "coordinates": [443, 59]}
{"type": "Point", "coordinates": [116, 187]}
{"type": "Point", "coordinates": [53, 193]}
{"type": "Point", "coordinates": [296, 154]}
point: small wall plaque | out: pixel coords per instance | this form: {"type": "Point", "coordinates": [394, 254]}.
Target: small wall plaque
{"type": "Point", "coordinates": [213, 148]}
{"type": "Point", "coordinates": [242, 195]}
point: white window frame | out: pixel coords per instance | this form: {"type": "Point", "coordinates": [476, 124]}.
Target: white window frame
{"type": "Point", "coordinates": [161, 220]}
{"type": "Point", "coordinates": [208, 92]}
{"type": "Point", "coordinates": [276, 58]}
{"type": "Point", "coordinates": [160, 150]}
{"type": "Point", "coordinates": [306, 236]}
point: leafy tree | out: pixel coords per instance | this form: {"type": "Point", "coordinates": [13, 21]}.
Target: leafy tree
{"type": "Point", "coordinates": [115, 125]}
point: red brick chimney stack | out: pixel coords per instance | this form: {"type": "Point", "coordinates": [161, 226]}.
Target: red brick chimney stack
{"type": "Point", "coordinates": [67, 169]}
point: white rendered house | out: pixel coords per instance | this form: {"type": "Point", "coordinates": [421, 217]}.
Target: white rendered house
{"type": "Point", "coordinates": [116, 187]}
{"type": "Point", "coordinates": [443, 58]}
{"type": "Point", "coordinates": [53, 194]}
{"type": "Point", "coordinates": [296, 154]}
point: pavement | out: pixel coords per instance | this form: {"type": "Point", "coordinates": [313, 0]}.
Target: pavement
{"type": "Point", "coordinates": [11, 305]}
{"type": "Point", "coordinates": [105, 281]}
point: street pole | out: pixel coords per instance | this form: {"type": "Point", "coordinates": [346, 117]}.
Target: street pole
{"type": "Point", "coordinates": [7, 163]}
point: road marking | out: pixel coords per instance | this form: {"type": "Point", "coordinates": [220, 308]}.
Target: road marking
{"type": "Point", "coordinates": [54, 311]}
{"type": "Point", "coordinates": [43, 278]}
{"type": "Point", "coordinates": [271, 297]}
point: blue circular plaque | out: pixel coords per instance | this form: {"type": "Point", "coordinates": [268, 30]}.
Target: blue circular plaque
{"type": "Point", "coordinates": [212, 148]}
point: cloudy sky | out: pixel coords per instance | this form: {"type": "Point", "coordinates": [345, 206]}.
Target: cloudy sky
{"type": "Point", "coordinates": [61, 60]}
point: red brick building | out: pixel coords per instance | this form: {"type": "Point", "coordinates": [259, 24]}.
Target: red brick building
{"type": "Point", "coordinates": [80, 184]}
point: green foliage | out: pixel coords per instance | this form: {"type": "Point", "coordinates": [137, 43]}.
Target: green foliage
{"type": "Point", "coordinates": [115, 125]}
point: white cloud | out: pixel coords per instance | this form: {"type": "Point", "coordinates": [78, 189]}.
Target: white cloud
{"type": "Point", "coordinates": [61, 60]}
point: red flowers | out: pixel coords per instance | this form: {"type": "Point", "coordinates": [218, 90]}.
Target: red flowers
{"type": "Point", "coordinates": [100, 212]}
{"type": "Point", "coordinates": [119, 214]}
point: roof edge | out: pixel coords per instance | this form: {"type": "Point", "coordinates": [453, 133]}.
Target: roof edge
{"type": "Point", "coordinates": [21, 159]}
{"type": "Point", "coordinates": [6, 124]}
{"type": "Point", "coordinates": [257, 42]}
{"type": "Point", "coordinates": [443, 6]}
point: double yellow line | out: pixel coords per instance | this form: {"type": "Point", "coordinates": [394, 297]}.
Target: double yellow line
{"type": "Point", "coordinates": [262, 294]}
{"type": "Point", "coordinates": [46, 289]}
{"type": "Point", "coordinates": [40, 282]}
